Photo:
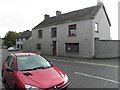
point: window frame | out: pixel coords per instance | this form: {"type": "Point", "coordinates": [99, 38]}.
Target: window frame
{"type": "Point", "coordinates": [96, 27]}
{"type": "Point", "coordinates": [10, 61]}
{"type": "Point", "coordinates": [38, 45]}
{"type": "Point", "coordinates": [72, 30]}
{"type": "Point", "coordinates": [7, 61]}
{"type": "Point", "coordinates": [39, 33]}
{"type": "Point", "coordinates": [54, 32]}
{"type": "Point", "coordinates": [68, 45]}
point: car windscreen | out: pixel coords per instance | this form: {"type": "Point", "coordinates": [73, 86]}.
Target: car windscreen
{"type": "Point", "coordinates": [32, 62]}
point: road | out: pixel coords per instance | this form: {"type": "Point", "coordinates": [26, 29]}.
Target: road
{"type": "Point", "coordinates": [87, 73]}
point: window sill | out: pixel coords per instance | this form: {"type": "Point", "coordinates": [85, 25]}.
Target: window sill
{"type": "Point", "coordinates": [72, 52]}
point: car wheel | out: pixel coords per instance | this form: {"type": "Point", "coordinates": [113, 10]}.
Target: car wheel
{"type": "Point", "coordinates": [16, 87]}
{"type": "Point", "coordinates": [3, 77]}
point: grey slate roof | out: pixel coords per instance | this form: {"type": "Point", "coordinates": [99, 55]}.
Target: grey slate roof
{"type": "Point", "coordinates": [83, 14]}
{"type": "Point", "coordinates": [25, 34]}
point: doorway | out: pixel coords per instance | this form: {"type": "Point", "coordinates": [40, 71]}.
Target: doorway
{"type": "Point", "coordinates": [54, 48]}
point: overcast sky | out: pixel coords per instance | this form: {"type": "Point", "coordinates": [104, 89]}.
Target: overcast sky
{"type": "Point", "coordinates": [21, 15]}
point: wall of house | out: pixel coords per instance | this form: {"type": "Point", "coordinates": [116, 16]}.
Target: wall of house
{"type": "Point", "coordinates": [84, 38]}
{"type": "Point", "coordinates": [103, 26]}
{"type": "Point", "coordinates": [0, 43]}
{"type": "Point", "coordinates": [20, 42]}
{"type": "Point", "coordinates": [107, 48]}
{"type": "Point", "coordinates": [29, 46]}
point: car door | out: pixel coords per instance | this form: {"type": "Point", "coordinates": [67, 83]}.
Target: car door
{"type": "Point", "coordinates": [5, 65]}
{"type": "Point", "coordinates": [10, 72]}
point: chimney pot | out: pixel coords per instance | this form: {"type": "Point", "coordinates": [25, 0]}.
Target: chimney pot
{"type": "Point", "coordinates": [46, 16]}
{"type": "Point", "coordinates": [99, 2]}
{"type": "Point", "coordinates": [58, 13]}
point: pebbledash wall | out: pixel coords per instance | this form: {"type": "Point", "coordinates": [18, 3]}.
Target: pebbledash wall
{"type": "Point", "coordinates": [107, 48]}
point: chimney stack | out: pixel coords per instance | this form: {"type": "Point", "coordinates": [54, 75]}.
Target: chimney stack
{"type": "Point", "coordinates": [58, 13]}
{"type": "Point", "coordinates": [99, 2]}
{"type": "Point", "coordinates": [46, 16]}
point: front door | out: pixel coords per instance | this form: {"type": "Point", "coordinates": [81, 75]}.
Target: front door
{"type": "Point", "coordinates": [54, 48]}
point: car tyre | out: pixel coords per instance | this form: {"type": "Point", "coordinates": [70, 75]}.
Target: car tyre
{"type": "Point", "coordinates": [3, 77]}
{"type": "Point", "coordinates": [16, 87]}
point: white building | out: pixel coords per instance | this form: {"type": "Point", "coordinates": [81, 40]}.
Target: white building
{"type": "Point", "coordinates": [22, 37]}
{"type": "Point", "coordinates": [72, 34]}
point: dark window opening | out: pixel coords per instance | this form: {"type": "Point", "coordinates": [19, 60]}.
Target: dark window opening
{"type": "Point", "coordinates": [38, 46]}
{"type": "Point", "coordinates": [72, 47]}
{"type": "Point", "coordinates": [54, 32]}
{"type": "Point", "coordinates": [39, 33]}
{"type": "Point", "coordinates": [72, 30]}
{"type": "Point", "coordinates": [17, 45]}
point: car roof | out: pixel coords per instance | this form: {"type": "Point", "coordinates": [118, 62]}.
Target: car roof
{"type": "Point", "coordinates": [24, 54]}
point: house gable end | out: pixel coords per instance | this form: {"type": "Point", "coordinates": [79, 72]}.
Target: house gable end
{"type": "Point", "coordinates": [106, 15]}
{"type": "Point", "coordinates": [103, 7]}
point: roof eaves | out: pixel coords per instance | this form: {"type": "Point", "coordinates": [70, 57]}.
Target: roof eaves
{"type": "Point", "coordinates": [107, 15]}
{"type": "Point", "coordinates": [61, 23]}
{"type": "Point", "coordinates": [90, 16]}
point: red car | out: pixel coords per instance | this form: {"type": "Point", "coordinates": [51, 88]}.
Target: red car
{"type": "Point", "coordinates": [29, 71]}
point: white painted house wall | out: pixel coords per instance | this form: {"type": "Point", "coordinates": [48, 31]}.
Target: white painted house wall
{"type": "Point", "coordinates": [20, 42]}
{"type": "Point", "coordinates": [84, 38]}
{"type": "Point", "coordinates": [103, 25]}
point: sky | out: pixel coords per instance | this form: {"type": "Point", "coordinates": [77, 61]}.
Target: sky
{"type": "Point", "coordinates": [21, 15]}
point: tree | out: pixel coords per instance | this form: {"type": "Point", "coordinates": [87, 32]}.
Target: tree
{"type": "Point", "coordinates": [10, 38]}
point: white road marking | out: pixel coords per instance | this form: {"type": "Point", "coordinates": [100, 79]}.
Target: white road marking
{"type": "Point", "coordinates": [100, 78]}
{"type": "Point", "coordinates": [97, 64]}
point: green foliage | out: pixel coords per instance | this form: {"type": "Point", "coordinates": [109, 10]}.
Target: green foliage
{"type": "Point", "coordinates": [10, 38]}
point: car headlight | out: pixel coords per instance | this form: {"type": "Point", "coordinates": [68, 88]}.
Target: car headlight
{"type": "Point", "coordinates": [29, 87]}
{"type": "Point", "coordinates": [65, 79]}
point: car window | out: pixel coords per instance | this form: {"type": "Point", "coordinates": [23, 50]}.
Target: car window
{"type": "Point", "coordinates": [8, 60]}
{"type": "Point", "coordinates": [11, 63]}
{"type": "Point", "coordinates": [30, 62]}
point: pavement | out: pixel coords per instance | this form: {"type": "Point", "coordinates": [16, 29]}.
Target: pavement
{"type": "Point", "coordinates": [109, 61]}
{"type": "Point", "coordinates": [88, 73]}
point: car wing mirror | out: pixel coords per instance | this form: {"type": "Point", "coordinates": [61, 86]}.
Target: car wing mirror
{"type": "Point", "coordinates": [9, 69]}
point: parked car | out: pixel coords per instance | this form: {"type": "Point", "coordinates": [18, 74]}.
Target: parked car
{"type": "Point", "coordinates": [12, 49]}
{"type": "Point", "coordinates": [30, 71]}
{"type": "Point", "coordinates": [4, 47]}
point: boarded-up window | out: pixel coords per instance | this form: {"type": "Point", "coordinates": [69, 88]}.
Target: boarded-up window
{"type": "Point", "coordinates": [72, 47]}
